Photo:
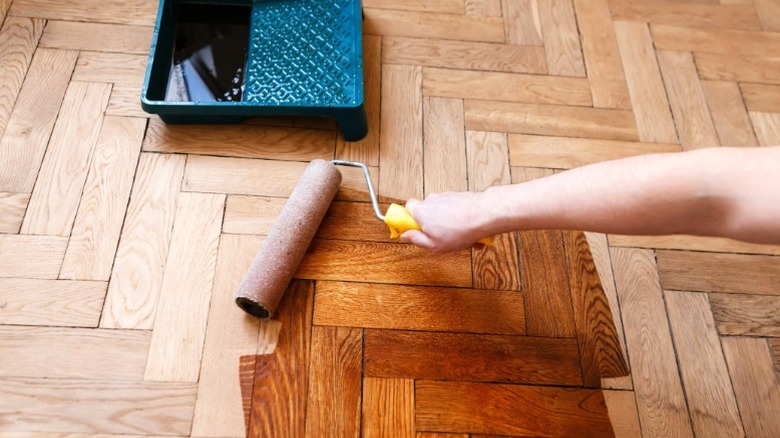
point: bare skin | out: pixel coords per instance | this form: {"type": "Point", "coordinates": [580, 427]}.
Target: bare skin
{"type": "Point", "coordinates": [728, 192]}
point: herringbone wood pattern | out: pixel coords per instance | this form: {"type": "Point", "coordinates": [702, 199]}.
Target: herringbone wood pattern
{"type": "Point", "coordinates": [122, 239]}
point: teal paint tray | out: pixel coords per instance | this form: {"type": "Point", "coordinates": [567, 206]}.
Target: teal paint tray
{"type": "Point", "coordinates": [223, 61]}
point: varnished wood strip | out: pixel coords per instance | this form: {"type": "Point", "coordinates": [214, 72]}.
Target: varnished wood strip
{"type": "Point", "coordinates": [432, 25]}
{"type": "Point", "coordinates": [702, 366]}
{"type": "Point", "coordinates": [95, 235]}
{"type": "Point", "coordinates": [567, 152]}
{"type": "Point", "coordinates": [465, 55]}
{"type": "Point", "coordinates": [645, 85]}
{"type": "Point", "coordinates": [230, 332]}
{"type": "Point", "coordinates": [750, 315]}
{"type": "Point", "coordinates": [602, 56]}
{"type": "Point", "coordinates": [659, 394]}
{"type": "Point", "coordinates": [510, 409]}
{"type": "Point", "coordinates": [125, 101]}
{"type": "Point", "coordinates": [39, 405]}
{"type": "Point", "coordinates": [767, 126]}
{"type": "Point", "coordinates": [561, 38]}
{"type": "Point", "coordinates": [774, 347]}
{"type": "Point", "coordinates": [442, 6]}
{"type": "Point", "coordinates": [411, 307]}
{"type": "Point", "coordinates": [712, 272]}
{"type": "Point", "coordinates": [353, 221]}
{"type": "Point", "coordinates": [401, 173]}
{"type": "Point", "coordinates": [729, 114]}
{"type": "Point", "coordinates": [97, 37]}
{"type": "Point", "coordinates": [114, 68]}
{"type": "Point", "coordinates": [51, 302]}
{"type": "Point", "coordinates": [509, 87]}
{"type": "Point", "coordinates": [180, 320]}
{"type": "Point", "coordinates": [769, 13]}
{"type": "Point", "coordinates": [487, 8]}
{"type": "Point", "coordinates": [566, 121]}
{"type": "Point", "coordinates": [377, 262]}
{"type": "Point", "coordinates": [736, 42]}
{"type": "Point", "coordinates": [18, 40]}
{"type": "Point", "coordinates": [693, 243]}
{"type": "Point", "coordinates": [31, 256]}
{"type": "Point", "coordinates": [60, 184]}
{"type": "Point", "coordinates": [521, 23]}
{"type": "Point", "coordinates": [471, 358]}
{"type": "Point", "coordinates": [600, 351]}
{"type": "Point", "coordinates": [78, 353]}
{"type": "Point", "coordinates": [246, 372]}
{"type": "Point", "coordinates": [136, 12]}
{"type": "Point", "coordinates": [692, 14]}
{"type": "Point", "coordinates": [738, 68]}
{"type": "Point", "coordinates": [240, 141]}
{"type": "Point", "coordinates": [281, 378]}
{"type": "Point", "coordinates": [750, 368]}
{"type": "Point", "coordinates": [686, 96]}
{"type": "Point", "coordinates": [761, 97]}
{"type": "Point", "coordinates": [622, 413]}
{"type": "Point", "coordinates": [137, 275]}
{"type": "Point", "coordinates": [12, 208]}
{"type": "Point", "coordinates": [251, 214]}
{"type": "Point", "coordinates": [335, 382]}
{"type": "Point", "coordinates": [27, 134]}
{"type": "Point", "coordinates": [388, 408]}
{"type": "Point", "coordinates": [444, 151]}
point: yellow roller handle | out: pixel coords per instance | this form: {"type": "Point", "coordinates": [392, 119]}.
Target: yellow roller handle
{"type": "Point", "coordinates": [399, 220]}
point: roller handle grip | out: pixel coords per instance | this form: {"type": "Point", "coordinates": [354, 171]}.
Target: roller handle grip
{"type": "Point", "coordinates": [399, 220]}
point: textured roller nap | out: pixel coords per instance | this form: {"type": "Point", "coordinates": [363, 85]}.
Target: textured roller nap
{"type": "Point", "coordinates": [281, 254]}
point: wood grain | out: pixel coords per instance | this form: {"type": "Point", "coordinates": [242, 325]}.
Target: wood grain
{"type": "Point", "coordinates": [622, 413]}
{"type": "Point", "coordinates": [114, 68]}
{"type": "Point", "coordinates": [696, 271]}
{"type": "Point", "coordinates": [767, 126]}
{"type": "Point", "coordinates": [768, 12]}
{"type": "Point", "coordinates": [411, 307]}
{"type": "Point", "coordinates": [522, 24]}
{"type": "Point", "coordinates": [748, 315]}
{"type": "Point", "coordinates": [353, 221]}
{"type": "Point", "coordinates": [561, 38]}
{"type": "Point", "coordinates": [18, 40]}
{"type": "Point", "coordinates": [691, 14]}
{"type": "Point", "coordinates": [12, 208]}
{"type": "Point", "coordinates": [736, 42]}
{"type": "Point", "coordinates": [51, 302]}
{"type": "Point", "coordinates": [488, 8]}
{"type": "Point", "coordinates": [693, 243]}
{"type": "Point", "coordinates": [111, 11]}
{"type": "Point", "coordinates": [761, 97]}
{"type": "Point", "coordinates": [24, 256]}
{"type": "Point", "coordinates": [729, 114]}
{"type": "Point", "coordinates": [444, 146]}
{"type": "Point", "coordinates": [124, 101]}
{"type": "Point", "coordinates": [733, 67]}
{"type": "Point", "coordinates": [432, 25]}
{"type": "Point", "coordinates": [97, 37]}
{"type": "Point", "coordinates": [246, 372]}
{"type": "Point", "coordinates": [388, 408]}
{"type": "Point", "coordinates": [443, 6]}
{"type": "Point", "coordinates": [251, 214]}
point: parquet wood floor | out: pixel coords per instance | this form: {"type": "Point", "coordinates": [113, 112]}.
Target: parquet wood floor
{"type": "Point", "coordinates": [122, 239]}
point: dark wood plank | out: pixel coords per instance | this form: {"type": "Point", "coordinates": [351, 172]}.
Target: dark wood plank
{"type": "Point", "coordinates": [709, 272]}
{"type": "Point", "coordinates": [596, 333]}
{"type": "Point", "coordinates": [751, 315]}
{"type": "Point", "coordinates": [353, 221]}
{"type": "Point", "coordinates": [246, 375]}
{"type": "Point", "coordinates": [470, 357]}
{"type": "Point", "coordinates": [499, 409]}
{"type": "Point", "coordinates": [497, 267]}
{"type": "Point", "coordinates": [418, 308]}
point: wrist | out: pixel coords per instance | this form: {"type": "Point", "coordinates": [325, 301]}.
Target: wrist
{"type": "Point", "coordinates": [494, 212]}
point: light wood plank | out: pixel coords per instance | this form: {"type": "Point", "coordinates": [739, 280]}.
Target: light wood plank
{"type": "Point", "coordinates": [693, 243]}
{"type": "Point", "coordinates": [137, 275]}
{"type": "Point", "coordinates": [769, 13]}
{"type": "Point", "coordinates": [388, 408]}
{"type": "Point", "coordinates": [97, 37]}
{"type": "Point", "coordinates": [729, 115]}
{"type": "Point", "coordinates": [713, 272]}
{"type": "Point", "coordinates": [4, 6]}
{"type": "Point", "coordinates": [692, 14]}
{"type": "Point", "coordinates": [251, 214]}
{"type": "Point", "coordinates": [561, 38]}
{"type": "Point", "coordinates": [443, 6]}
{"type": "Point", "coordinates": [51, 302]}
{"type": "Point", "coordinates": [761, 97]}
{"type": "Point", "coordinates": [93, 242]}
{"type": "Point", "coordinates": [488, 159]}
{"type": "Point", "coordinates": [738, 68]}
{"type": "Point", "coordinates": [125, 101]}
{"type": "Point", "coordinates": [180, 322]}
{"type": "Point", "coordinates": [58, 189]}
{"type": "Point", "coordinates": [114, 68]}
{"type": "Point", "coordinates": [750, 367]}
{"type": "Point", "coordinates": [444, 151]}
{"type": "Point", "coordinates": [567, 121]}
{"type": "Point", "coordinates": [18, 40]}
{"type": "Point", "coordinates": [12, 208]}
{"type": "Point", "coordinates": [645, 85]}
{"type": "Point", "coordinates": [136, 12]}
{"type": "Point", "coordinates": [27, 134]}
{"type": "Point", "coordinates": [702, 366]}
{"type": "Point", "coordinates": [659, 394]}
{"type": "Point", "coordinates": [522, 24]}
{"type": "Point", "coordinates": [622, 413]}
{"type": "Point", "coordinates": [31, 256]}
{"type": "Point", "coordinates": [749, 315]}
{"type": "Point", "coordinates": [767, 126]}
{"type": "Point", "coordinates": [432, 25]}
{"type": "Point", "coordinates": [736, 42]}
{"type": "Point", "coordinates": [410, 307]}
{"type": "Point", "coordinates": [487, 8]}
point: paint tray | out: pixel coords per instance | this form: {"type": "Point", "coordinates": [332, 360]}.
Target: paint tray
{"type": "Point", "coordinates": [223, 61]}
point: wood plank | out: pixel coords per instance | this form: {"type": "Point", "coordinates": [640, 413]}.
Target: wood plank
{"type": "Point", "coordinates": [487, 8]}
{"type": "Point", "coordinates": [244, 141]}
{"type": "Point", "coordinates": [702, 15]}
{"type": "Point", "coordinates": [251, 214]}
{"type": "Point", "coordinates": [622, 413]}
{"type": "Point", "coordinates": [522, 24]}
{"type": "Point", "coordinates": [411, 307]}
{"type": "Point", "coordinates": [729, 114]}
{"type": "Point", "coordinates": [281, 378]}
{"type": "Point", "coordinates": [561, 38]}
{"type": "Point", "coordinates": [136, 12]}
{"type": "Point", "coordinates": [702, 366]}
{"type": "Point", "coordinates": [749, 315]}
{"type": "Point", "coordinates": [60, 183]}
{"type": "Point", "coordinates": [4, 6]}
{"type": "Point", "coordinates": [114, 68]}
{"type": "Point", "coordinates": [77, 353]}
{"type": "Point", "coordinates": [12, 208]}
{"type": "Point", "coordinates": [137, 275]}
{"type": "Point", "coordinates": [444, 150]}
{"type": "Point", "coordinates": [377, 262]}
{"type": "Point", "coordinates": [761, 97]}
{"type": "Point", "coordinates": [97, 37]}
{"type": "Point", "coordinates": [693, 243]}
{"type": "Point", "coordinates": [180, 321]}
{"type": "Point", "coordinates": [712, 272]}
{"type": "Point", "coordinates": [125, 101]}
{"type": "Point", "coordinates": [568, 152]}
{"type": "Point", "coordinates": [51, 302]}
{"type": "Point", "coordinates": [27, 134]}
{"type": "Point", "coordinates": [471, 357]}
{"type": "Point", "coordinates": [247, 365]}
{"type": "Point", "coordinates": [95, 406]}
{"type": "Point", "coordinates": [465, 55]}
{"type": "Point", "coordinates": [686, 96]}
{"type": "Point", "coordinates": [645, 85]}
{"type": "Point", "coordinates": [738, 68]}
{"type": "Point", "coordinates": [602, 56]}
{"type": "Point", "coordinates": [774, 347]}
{"type": "Point", "coordinates": [769, 13]}
{"type": "Point", "coordinates": [751, 367]}
{"type": "Point", "coordinates": [101, 214]}
{"type": "Point", "coordinates": [230, 333]}
{"type": "Point", "coordinates": [508, 87]}
{"type": "Point", "coordinates": [335, 382]}
{"type": "Point", "coordinates": [31, 256]}
{"type": "Point", "coordinates": [432, 25]}
{"type": "Point", "coordinates": [566, 121]}
{"type": "Point", "coordinates": [767, 126]}
{"type": "Point", "coordinates": [510, 409]}
{"type": "Point", "coordinates": [18, 40]}
{"type": "Point", "coordinates": [443, 6]}
{"type": "Point", "coordinates": [736, 42]}
{"type": "Point", "coordinates": [388, 408]}
{"type": "Point", "coordinates": [659, 394]}
{"type": "Point", "coordinates": [354, 221]}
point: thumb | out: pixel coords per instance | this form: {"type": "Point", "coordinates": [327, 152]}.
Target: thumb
{"type": "Point", "coordinates": [418, 238]}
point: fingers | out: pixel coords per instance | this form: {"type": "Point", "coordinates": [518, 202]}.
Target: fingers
{"type": "Point", "coordinates": [417, 238]}
{"type": "Point", "coordinates": [411, 204]}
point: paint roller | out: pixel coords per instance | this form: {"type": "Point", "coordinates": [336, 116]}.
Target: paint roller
{"type": "Point", "coordinates": [277, 261]}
